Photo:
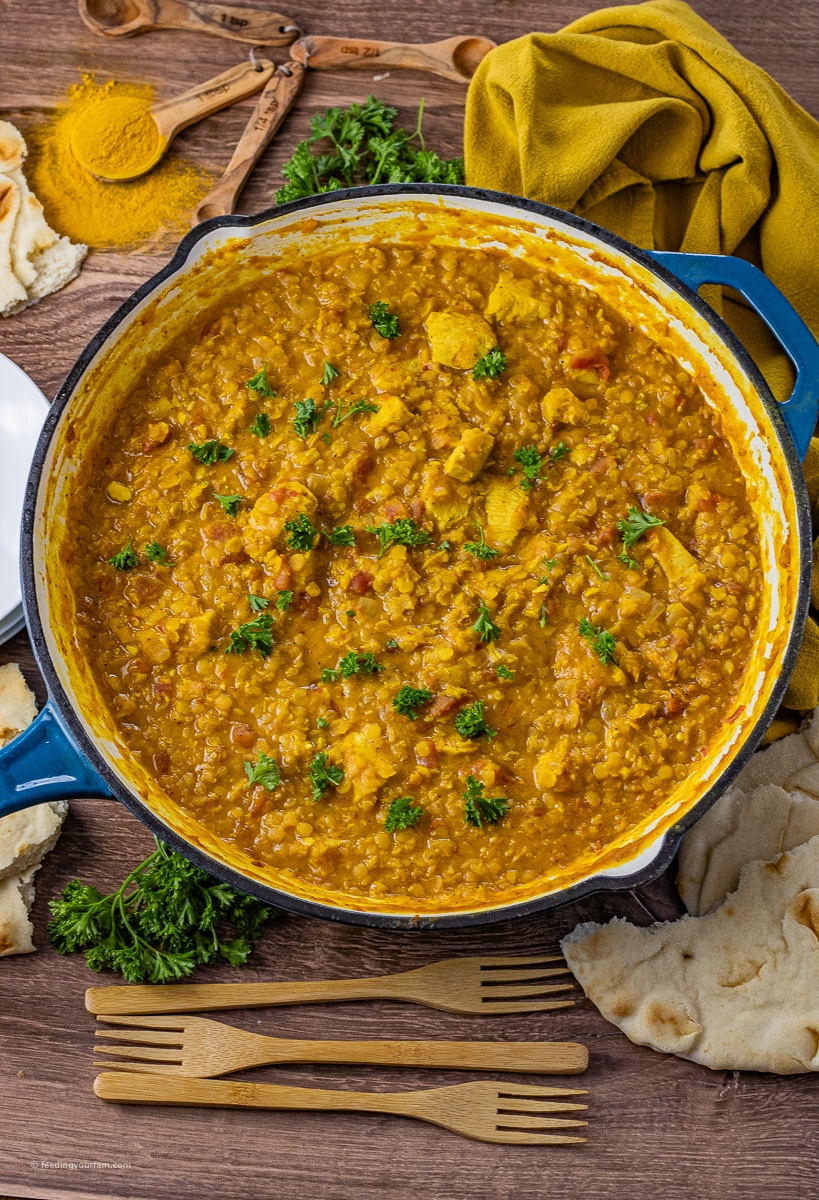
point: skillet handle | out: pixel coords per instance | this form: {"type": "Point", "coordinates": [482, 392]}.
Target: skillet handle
{"type": "Point", "coordinates": [800, 410]}
{"type": "Point", "coordinates": [43, 763]}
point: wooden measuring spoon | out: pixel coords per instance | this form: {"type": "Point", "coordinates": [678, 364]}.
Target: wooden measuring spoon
{"type": "Point", "coordinates": [455, 58]}
{"type": "Point", "coordinates": [150, 131]}
{"type": "Point", "coordinates": [271, 108]}
{"type": "Point", "coordinates": [125, 18]}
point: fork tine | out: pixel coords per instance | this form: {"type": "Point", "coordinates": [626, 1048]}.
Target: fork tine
{"type": "Point", "coordinates": [516, 1107]}
{"type": "Point", "coordinates": [142, 1037]}
{"type": "Point", "coordinates": [537, 1124]}
{"type": "Point", "coordinates": [490, 1007]}
{"type": "Point", "coordinates": [521, 975]}
{"type": "Point", "coordinates": [534, 960]}
{"type": "Point", "coordinates": [170, 1022]}
{"type": "Point", "coordinates": [516, 991]}
{"type": "Point", "coordinates": [142, 1068]}
{"type": "Point", "coordinates": [519, 1091]}
{"type": "Point", "coordinates": [514, 1138]}
{"type": "Point", "coordinates": [147, 1053]}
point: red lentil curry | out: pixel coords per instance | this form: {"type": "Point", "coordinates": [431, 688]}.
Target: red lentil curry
{"type": "Point", "coordinates": [414, 574]}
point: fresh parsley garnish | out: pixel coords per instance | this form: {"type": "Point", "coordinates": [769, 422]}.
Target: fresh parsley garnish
{"type": "Point", "coordinates": [341, 535]}
{"type": "Point", "coordinates": [384, 322]}
{"type": "Point", "coordinates": [601, 641]}
{"type": "Point", "coordinates": [126, 558]}
{"type": "Point", "coordinates": [210, 452]}
{"type": "Point", "coordinates": [307, 416]}
{"type": "Point", "coordinates": [253, 635]}
{"type": "Point", "coordinates": [480, 548]}
{"type": "Point", "coordinates": [544, 616]}
{"type": "Point", "coordinates": [595, 567]}
{"type": "Point", "coordinates": [167, 918]}
{"type": "Point", "coordinates": [391, 644]}
{"type": "Point", "coordinates": [303, 533]}
{"type": "Point", "coordinates": [559, 451]}
{"type": "Point", "coordinates": [470, 722]}
{"type": "Point", "coordinates": [284, 600]}
{"type": "Point", "coordinates": [261, 425]}
{"type": "Point", "coordinates": [636, 524]}
{"type": "Point", "coordinates": [359, 664]}
{"type": "Point", "coordinates": [363, 146]}
{"type": "Point", "coordinates": [409, 698]}
{"type": "Point", "coordinates": [479, 808]}
{"type": "Point", "coordinates": [485, 627]}
{"type": "Point", "coordinates": [490, 366]}
{"type": "Point", "coordinates": [260, 383]}
{"type": "Point", "coordinates": [330, 373]}
{"type": "Point", "coordinates": [628, 561]}
{"type": "Point", "coordinates": [322, 723]}
{"type": "Point", "coordinates": [329, 675]}
{"type": "Point", "coordinates": [401, 532]}
{"type": "Point", "coordinates": [402, 814]}
{"type": "Point", "coordinates": [229, 503]}
{"type": "Point", "coordinates": [157, 554]}
{"type": "Point", "coordinates": [258, 603]}
{"type": "Point", "coordinates": [323, 775]}
{"type": "Point", "coordinates": [531, 462]}
{"type": "Point", "coordinates": [265, 772]}
{"type": "Point", "coordinates": [504, 672]}
{"type": "Point", "coordinates": [550, 563]}
{"type": "Point", "coordinates": [360, 406]}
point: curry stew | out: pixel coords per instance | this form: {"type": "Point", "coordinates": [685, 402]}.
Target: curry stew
{"type": "Point", "coordinates": [416, 573]}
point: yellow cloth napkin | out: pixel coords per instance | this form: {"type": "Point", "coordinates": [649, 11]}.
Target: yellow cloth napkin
{"type": "Point", "coordinates": [644, 119]}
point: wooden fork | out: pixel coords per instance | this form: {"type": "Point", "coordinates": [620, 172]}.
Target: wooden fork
{"type": "Point", "coordinates": [196, 1047]}
{"type": "Point", "coordinates": [489, 1112]}
{"type": "Point", "coordinates": [482, 986]}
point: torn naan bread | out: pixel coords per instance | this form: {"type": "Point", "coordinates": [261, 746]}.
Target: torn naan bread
{"type": "Point", "coordinates": [737, 989]}
{"type": "Point", "coordinates": [739, 829]}
{"type": "Point", "coordinates": [16, 899]}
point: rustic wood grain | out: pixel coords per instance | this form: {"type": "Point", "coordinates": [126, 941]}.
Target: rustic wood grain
{"type": "Point", "coordinates": [661, 1129]}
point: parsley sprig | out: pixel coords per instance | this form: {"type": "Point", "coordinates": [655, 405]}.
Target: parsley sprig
{"type": "Point", "coordinates": [302, 531]}
{"type": "Point", "coordinates": [408, 699]}
{"type": "Point", "coordinates": [364, 147]}
{"type": "Point", "coordinates": [260, 383]}
{"type": "Point", "coordinates": [490, 366]}
{"type": "Point", "coordinates": [384, 322]}
{"type": "Point", "coordinates": [210, 452]}
{"type": "Point", "coordinates": [360, 406]}
{"type": "Point", "coordinates": [402, 814]}
{"type": "Point", "coordinates": [323, 775]}
{"type": "Point", "coordinates": [329, 374]}
{"type": "Point", "coordinates": [485, 627]}
{"type": "Point", "coordinates": [258, 603]}
{"type": "Point", "coordinates": [166, 918]}
{"type": "Point", "coordinates": [470, 722]}
{"type": "Point", "coordinates": [265, 771]}
{"type": "Point", "coordinates": [504, 672]}
{"type": "Point", "coordinates": [229, 503]}
{"type": "Point", "coordinates": [157, 554]}
{"type": "Point", "coordinates": [308, 415]}
{"type": "Point", "coordinates": [601, 641]}
{"type": "Point", "coordinates": [480, 548]}
{"type": "Point", "coordinates": [340, 535]}
{"type": "Point", "coordinates": [253, 635]}
{"type": "Point", "coordinates": [284, 600]}
{"type": "Point", "coordinates": [126, 558]}
{"type": "Point", "coordinates": [401, 532]}
{"type": "Point", "coordinates": [478, 808]}
{"type": "Point", "coordinates": [531, 461]}
{"type": "Point", "coordinates": [635, 525]}
{"type": "Point", "coordinates": [261, 425]}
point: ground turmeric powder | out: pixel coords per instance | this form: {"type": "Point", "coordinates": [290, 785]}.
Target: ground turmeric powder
{"type": "Point", "coordinates": [108, 214]}
{"type": "Point", "coordinates": [117, 138]}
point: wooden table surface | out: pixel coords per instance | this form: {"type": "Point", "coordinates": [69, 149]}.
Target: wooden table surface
{"type": "Point", "coordinates": [660, 1128]}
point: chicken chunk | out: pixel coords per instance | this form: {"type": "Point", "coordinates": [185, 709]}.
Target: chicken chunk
{"type": "Point", "coordinates": [685, 578]}
{"type": "Point", "coordinates": [468, 457]}
{"type": "Point", "coordinates": [445, 501]}
{"type": "Point", "coordinates": [562, 407]}
{"type": "Point", "coordinates": [512, 300]}
{"type": "Point", "coordinates": [392, 415]}
{"type": "Point", "coordinates": [367, 763]}
{"type": "Point", "coordinates": [459, 339]}
{"type": "Point", "coordinates": [507, 510]}
{"type": "Point", "coordinates": [266, 522]}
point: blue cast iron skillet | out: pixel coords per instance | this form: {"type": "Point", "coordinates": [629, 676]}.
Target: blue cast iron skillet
{"type": "Point", "coordinates": [55, 759]}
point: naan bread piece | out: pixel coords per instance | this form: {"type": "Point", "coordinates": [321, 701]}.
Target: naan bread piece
{"type": "Point", "coordinates": [735, 990]}
{"type": "Point", "coordinates": [739, 829]}
{"type": "Point", "coordinates": [17, 705]}
{"type": "Point", "coordinates": [12, 292]}
{"type": "Point", "coordinates": [16, 898]}
{"type": "Point", "coordinates": [26, 837]}
{"type": "Point", "coordinates": [777, 763]}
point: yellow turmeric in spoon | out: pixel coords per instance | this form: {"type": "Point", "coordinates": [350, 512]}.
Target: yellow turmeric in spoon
{"type": "Point", "coordinates": [118, 138]}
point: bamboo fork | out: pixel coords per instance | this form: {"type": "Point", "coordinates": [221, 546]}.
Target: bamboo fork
{"type": "Point", "coordinates": [199, 1048]}
{"type": "Point", "coordinates": [482, 986]}
{"type": "Point", "coordinates": [488, 1112]}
